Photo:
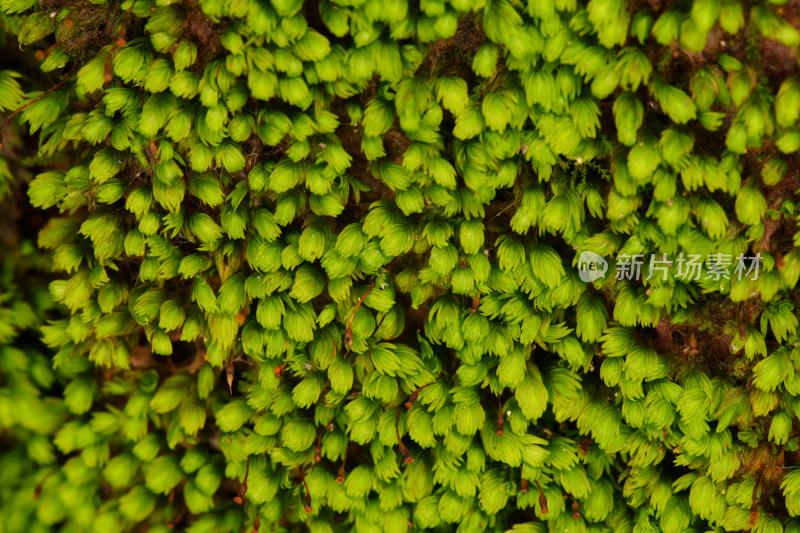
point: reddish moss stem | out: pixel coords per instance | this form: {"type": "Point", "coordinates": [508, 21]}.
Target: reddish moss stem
{"type": "Point", "coordinates": [403, 450]}
{"type": "Point", "coordinates": [584, 446]}
{"type": "Point", "coordinates": [542, 499]}
{"type": "Point", "coordinates": [37, 492]}
{"type": "Point", "coordinates": [308, 507]}
{"type": "Point", "coordinates": [348, 336]}
{"type": "Point", "coordinates": [243, 487]}
{"type": "Point", "coordinates": [476, 302]}
{"type": "Point", "coordinates": [413, 398]}
{"type": "Point", "coordinates": [318, 449]}
{"type": "Point", "coordinates": [229, 374]}
{"type": "Point", "coordinates": [754, 504]}
{"type": "Point", "coordinates": [25, 106]}
{"type": "Point", "coordinates": [500, 419]}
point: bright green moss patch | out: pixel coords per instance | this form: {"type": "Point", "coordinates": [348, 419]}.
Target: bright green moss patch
{"type": "Point", "coordinates": [386, 266]}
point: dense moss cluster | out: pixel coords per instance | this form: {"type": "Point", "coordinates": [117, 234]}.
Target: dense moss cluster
{"type": "Point", "coordinates": [320, 265]}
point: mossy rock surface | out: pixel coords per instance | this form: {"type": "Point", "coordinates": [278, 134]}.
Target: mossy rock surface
{"type": "Point", "coordinates": [385, 266]}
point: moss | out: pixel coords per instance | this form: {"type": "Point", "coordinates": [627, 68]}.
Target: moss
{"type": "Point", "coordinates": [338, 266]}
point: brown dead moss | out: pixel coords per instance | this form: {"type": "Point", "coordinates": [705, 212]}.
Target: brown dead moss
{"type": "Point", "coordinates": [779, 233]}
{"type": "Point", "coordinates": [202, 31]}
{"type": "Point", "coordinates": [704, 341]}
{"type": "Point", "coordinates": [778, 61]}
{"type": "Point", "coordinates": [657, 6]}
{"type": "Point", "coordinates": [453, 56]}
{"type": "Point", "coordinates": [396, 143]}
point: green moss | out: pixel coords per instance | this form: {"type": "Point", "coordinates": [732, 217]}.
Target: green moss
{"type": "Point", "coordinates": [365, 265]}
